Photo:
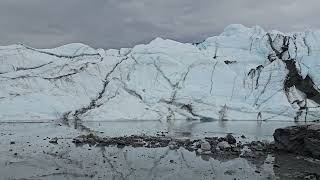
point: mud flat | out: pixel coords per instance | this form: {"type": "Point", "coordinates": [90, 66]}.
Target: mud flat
{"type": "Point", "coordinates": [51, 151]}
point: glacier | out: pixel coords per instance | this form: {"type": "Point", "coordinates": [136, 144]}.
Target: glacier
{"type": "Point", "coordinates": [242, 74]}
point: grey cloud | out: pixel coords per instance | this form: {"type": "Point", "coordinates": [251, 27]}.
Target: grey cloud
{"type": "Point", "coordinates": [124, 23]}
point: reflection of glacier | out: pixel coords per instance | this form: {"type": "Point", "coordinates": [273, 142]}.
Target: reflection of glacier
{"type": "Point", "coordinates": [140, 163]}
{"type": "Point", "coordinates": [242, 74]}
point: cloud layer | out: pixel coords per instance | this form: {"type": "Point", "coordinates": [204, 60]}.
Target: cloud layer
{"type": "Point", "coordinates": [124, 23]}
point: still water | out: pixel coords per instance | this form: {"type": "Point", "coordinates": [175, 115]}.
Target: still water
{"type": "Point", "coordinates": [25, 153]}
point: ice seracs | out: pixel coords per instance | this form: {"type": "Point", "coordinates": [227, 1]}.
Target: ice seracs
{"type": "Point", "coordinates": [242, 74]}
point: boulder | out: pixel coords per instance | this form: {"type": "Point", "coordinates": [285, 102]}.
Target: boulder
{"type": "Point", "coordinates": [205, 146]}
{"type": "Point", "coordinates": [246, 152]}
{"type": "Point", "coordinates": [223, 145]}
{"type": "Point", "coordinates": [302, 139]}
{"type": "Point", "coordinates": [54, 140]}
{"type": "Point", "coordinates": [230, 139]}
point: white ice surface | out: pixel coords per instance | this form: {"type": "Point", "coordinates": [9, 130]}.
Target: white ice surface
{"type": "Point", "coordinates": [161, 80]}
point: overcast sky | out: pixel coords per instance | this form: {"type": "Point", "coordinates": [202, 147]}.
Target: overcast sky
{"type": "Point", "coordinates": [124, 23]}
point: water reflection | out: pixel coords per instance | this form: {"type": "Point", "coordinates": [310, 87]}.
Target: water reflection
{"type": "Point", "coordinates": [255, 130]}
{"type": "Point", "coordinates": [289, 166]}
{"type": "Point", "coordinates": [41, 160]}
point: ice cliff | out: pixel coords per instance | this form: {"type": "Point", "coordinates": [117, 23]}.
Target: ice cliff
{"type": "Point", "coordinates": [242, 74]}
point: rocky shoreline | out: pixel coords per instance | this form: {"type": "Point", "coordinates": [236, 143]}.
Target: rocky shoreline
{"type": "Point", "coordinates": [223, 146]}
{"type": "Point", "coordinates": [300, 140]}
{"type": "Point", "coordinates": [229, 148]}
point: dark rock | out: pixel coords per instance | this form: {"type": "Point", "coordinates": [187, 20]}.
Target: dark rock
{"type": "Point", "coordinates": [276, 166]}
{"type": "Point", "coordinates": [220, 139]}
{"type": "Point", "coordinates": [230, 62]}
{"type": "Point", "coordinates": [257, 146]}
{"type": "Point", "coordinates": [54, 140]}
{"type": "Point", "coordinates": [304, 139]}
{"type": "Point", "coordinates": [229, 172]}
{"type": "Point", "coordinates": [12, 142]}
{"type": "Point", "coordinates": [311, 177]}
{"type": "Point", "coordinates": [230, 139]}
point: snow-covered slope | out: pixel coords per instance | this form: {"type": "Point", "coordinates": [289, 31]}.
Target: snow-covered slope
{"type": "Point", "coordinates": [242, 74]}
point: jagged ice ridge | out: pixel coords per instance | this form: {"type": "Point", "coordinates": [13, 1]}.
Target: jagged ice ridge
{"type": "Point", "coordinates": [242, 74]}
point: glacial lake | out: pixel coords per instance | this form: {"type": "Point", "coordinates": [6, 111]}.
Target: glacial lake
{"type": "Point", "coordinates": [25, 152]}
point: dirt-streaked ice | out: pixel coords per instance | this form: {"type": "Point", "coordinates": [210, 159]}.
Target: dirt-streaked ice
{"type": "Point", "coordinates": [242, 74]}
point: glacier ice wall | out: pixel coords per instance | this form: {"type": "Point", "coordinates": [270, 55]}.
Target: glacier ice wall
{"type": "Point", "coordinates": [242, 74]}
